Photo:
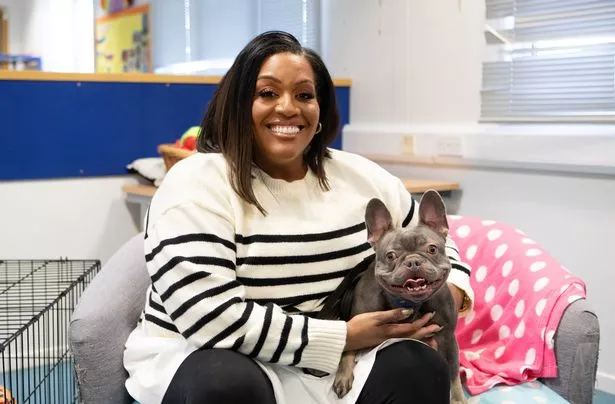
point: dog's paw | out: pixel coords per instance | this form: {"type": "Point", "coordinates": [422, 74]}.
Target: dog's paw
{"type": "Point", "coordinates": [342, 384]}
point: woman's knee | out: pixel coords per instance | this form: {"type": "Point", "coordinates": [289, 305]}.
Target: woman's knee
{"type": "Point", "coordinates": [413, 357]}
{"type": "Point", "coordinates": [407, 371]}
{"type": "Point", "coordinates": [219, 376]}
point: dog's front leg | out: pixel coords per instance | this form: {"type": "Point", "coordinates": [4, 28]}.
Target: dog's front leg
{"type": "Point", "coordinates": [457, 396]}
{"type": "Point", "coordinates": [345, 374]}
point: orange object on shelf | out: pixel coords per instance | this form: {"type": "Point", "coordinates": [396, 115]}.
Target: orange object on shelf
{"type": "Point", "coordinates": [171, 154]}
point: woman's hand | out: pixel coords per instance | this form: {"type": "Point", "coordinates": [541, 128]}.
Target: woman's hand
{"type": "Point", "coordinates": [367, 330]}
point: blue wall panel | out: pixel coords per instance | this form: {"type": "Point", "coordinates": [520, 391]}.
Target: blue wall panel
{"type": "Point", "coordinates": [66, 129]}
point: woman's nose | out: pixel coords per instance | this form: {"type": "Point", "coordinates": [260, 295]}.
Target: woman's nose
{"type": "Point", "coordinates": [286, 105]}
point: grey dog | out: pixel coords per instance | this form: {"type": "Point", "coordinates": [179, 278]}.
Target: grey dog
{"type": "Point", "coordinates": [410, 271]}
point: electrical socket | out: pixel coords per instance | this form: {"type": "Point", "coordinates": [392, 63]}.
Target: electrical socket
{"type": "Point", "coordinates": [407, 145]}
{"type": "Point", "coordinates": [450, 146]}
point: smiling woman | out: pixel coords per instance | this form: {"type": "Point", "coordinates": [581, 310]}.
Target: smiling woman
{"type": "Point", "coordinates": [247, 238]}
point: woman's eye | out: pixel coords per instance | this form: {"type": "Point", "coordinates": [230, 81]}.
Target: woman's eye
{"type": "Point", "coordinates": [391, 256]}
{"type": "Point", "coordinates": [266, 93]}
{"type": "Point", "coordinates": [306, 96]}
{"type": "Point", "coordinates": [432, 249]}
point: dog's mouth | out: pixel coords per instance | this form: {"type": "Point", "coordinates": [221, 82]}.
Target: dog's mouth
{"type": "Point", "coordinates": [417, 287]}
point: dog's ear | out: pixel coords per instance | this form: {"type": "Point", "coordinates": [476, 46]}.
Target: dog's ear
{"type": "Point", "coordinates": [377, 220]}
{"type": "Point", "coordinates": [432, 212]}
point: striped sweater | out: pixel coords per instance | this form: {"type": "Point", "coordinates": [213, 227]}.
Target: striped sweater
{"type": "Point", "coordinates": [225, 276]}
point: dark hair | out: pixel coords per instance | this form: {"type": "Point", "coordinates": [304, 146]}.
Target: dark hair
{"type": "Point", "coordinates": [227, 125]}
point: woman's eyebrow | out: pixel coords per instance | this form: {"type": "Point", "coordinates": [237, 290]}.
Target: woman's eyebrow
{"type": "Point", "coordinates": [273, 78]}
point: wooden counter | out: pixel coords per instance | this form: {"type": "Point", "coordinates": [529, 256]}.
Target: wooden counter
{"type": "Point", "coordinates": [413, 186]}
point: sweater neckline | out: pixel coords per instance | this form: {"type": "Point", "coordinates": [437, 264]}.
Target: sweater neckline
{"type": "Point", "coordinates": [279, 186]}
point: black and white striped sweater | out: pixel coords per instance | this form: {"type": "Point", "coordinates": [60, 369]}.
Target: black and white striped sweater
{"type": "Point", "coordinates": [225, 276]}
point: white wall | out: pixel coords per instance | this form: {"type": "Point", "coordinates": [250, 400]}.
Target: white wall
{"type": "Point", "coordinates": [416, 70]}
{"type": "Point", "coordinates": [14, 10]}
{"type": "Point", "coordinates": [78, 219]}
{"type": "Point", "coordinates": [412, 60]}
{"type": "Point", "coordinates": [61, 32]}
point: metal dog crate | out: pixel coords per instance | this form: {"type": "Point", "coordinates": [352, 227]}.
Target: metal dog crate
{"type": "Point", "coordinates": [37, 299]}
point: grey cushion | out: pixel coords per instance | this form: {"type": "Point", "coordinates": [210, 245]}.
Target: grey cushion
{"type": "Point", "coordinates": [107, 312]}
{"type": "Point", "coordinates": [577, 343]}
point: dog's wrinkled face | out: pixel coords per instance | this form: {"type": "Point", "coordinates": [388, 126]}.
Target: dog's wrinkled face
{"type": "Point", "coordinates": [410, 263]}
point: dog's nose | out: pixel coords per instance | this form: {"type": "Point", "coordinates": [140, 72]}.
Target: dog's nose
{"type": "Point", "coordinates": [414, 262]}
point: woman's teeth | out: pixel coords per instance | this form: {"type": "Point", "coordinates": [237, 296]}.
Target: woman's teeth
{"type": "Point", "coordinates": [288, 130]}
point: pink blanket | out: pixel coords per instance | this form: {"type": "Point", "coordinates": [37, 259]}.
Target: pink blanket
{"type": "Point", "coordinates": [521, 293]}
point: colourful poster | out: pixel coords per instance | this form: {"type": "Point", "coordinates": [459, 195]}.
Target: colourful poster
{"type": "Point", "coordinates": [123, 41]}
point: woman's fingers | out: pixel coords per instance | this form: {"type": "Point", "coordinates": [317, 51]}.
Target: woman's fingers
{"type": "Point", "coordinates": [393, 316]}
{"type": "Point", "coordinates": [426, 332]}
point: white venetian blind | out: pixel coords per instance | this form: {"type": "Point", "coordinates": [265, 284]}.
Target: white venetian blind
{"type": "Point", "coordinates": [551, 60]}
{"type": "Point", "coordinates": [298, 17]}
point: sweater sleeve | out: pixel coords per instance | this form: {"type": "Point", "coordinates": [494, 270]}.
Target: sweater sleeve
{"type": "Point", "coordinates": [408, 210]}
{"type": "Point", "coordinates": [191, 258]}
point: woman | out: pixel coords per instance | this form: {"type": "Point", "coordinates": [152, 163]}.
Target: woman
{"type": "Point", "coordinates": [246, 239]}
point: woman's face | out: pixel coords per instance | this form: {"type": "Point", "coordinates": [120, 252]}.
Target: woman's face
{"type": "Point", "coordinates": [285, 114]}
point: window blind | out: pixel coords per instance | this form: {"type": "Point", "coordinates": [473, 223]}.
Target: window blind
{"type": "Point", "coordinates": [551, 60]}
{"type": "Point", "coordinates": [298, 17]}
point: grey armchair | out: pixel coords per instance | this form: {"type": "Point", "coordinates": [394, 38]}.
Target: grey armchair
{"type": "Point", "coordinates": [110, 307]}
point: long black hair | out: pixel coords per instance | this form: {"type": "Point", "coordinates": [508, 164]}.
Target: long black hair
{"type": "Point", "coordinates": [227, 126]}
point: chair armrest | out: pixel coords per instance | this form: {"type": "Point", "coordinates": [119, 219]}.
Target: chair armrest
{"type": "Point", "coordinates": [107, 312]}
{"type": "Point", "coordinates": [576, 349]}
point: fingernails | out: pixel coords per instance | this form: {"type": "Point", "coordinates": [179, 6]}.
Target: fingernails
{"type": "Point", "coordinates": [433, 313]}
{"type": "Point", "coordinates": [407, 312]}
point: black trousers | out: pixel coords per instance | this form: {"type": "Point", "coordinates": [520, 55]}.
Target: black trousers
{"type": "Point", "coordinates": [407, 372]}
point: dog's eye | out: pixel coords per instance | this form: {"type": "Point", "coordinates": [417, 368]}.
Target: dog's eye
{"type": "Point", "coordinates": [432, 249]}
{"type": "Point", "coordinates": [391, 256]}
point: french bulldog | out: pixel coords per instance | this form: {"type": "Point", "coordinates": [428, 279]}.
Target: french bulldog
{"type": "Point", "coordinates": [410, 270]}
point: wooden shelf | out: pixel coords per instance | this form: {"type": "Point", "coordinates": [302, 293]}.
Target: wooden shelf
{"type": "Point", "coordinates": [413, 186]}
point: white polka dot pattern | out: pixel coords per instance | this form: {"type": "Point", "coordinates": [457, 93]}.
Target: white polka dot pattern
{"type": "Point", "coordinates": [520, 330]}
{"type": "Point", "coordinates": [506, 268]}
{"type": "Point", "coordinates": [520, 308]}
{"type": "Point", "coordinates": [508, 336]}
{"type": "Point", "coordinates": [476, 335]}
{"type": "Point", "coordinates": [481, 273]}
{"type": "Point", "coordinates": [504, 332]}
{"type": "Point", "coordinates": [540, 306]}
{"type": "Point", "coordinates": [533, 252]}
{"type": "Point", "coordinates": [513, 288]}
{"type": "Point", "coordinates": [499, 252]}
{"type": "Point", "coordinates": [496, 312]}
{"type": "Point", "coordinates": [463, 231]}
{"type": "Point", "coordinates": [537, 266]}
{"type": "Point", "coordinates": [494, 234]}
{"type": "Point", "coordinates": [540, 284]}
{"type": "Point", "coordinates": [489, 294]}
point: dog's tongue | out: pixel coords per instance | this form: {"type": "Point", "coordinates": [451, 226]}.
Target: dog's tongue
{"type": "Point", "coordinates": [414, 283]}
